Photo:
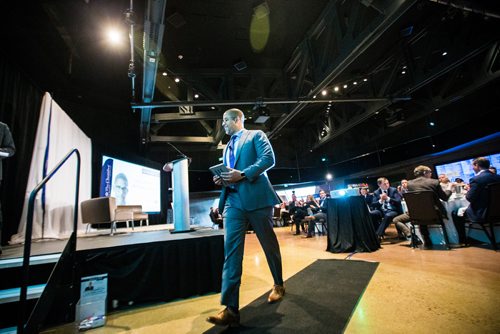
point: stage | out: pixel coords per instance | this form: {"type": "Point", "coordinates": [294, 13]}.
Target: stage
{"type": "Point", "coordinates": [146, 265]}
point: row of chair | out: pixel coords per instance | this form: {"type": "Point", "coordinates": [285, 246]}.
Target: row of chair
{"type": "Point", "coordinates": [423, 209]}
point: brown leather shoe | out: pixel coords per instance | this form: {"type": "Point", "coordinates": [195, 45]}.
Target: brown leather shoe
{"type": "Point", "coordinates": [225, 317]}
{"type": "Point", "coordinates": [276, 294]}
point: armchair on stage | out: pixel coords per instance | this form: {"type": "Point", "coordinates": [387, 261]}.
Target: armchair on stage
{"type": "Point", "coordinates": [103, 210]}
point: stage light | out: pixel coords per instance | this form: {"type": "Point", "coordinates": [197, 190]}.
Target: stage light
{"type": "Point", "coordinates": [355, 83]}
{"type": "Point", "coordinates": [114, 36]}
{"type": "Point", "coordinates": [314, 96]}
{"type": "Point", "coordinates": [323, 159]}
{"type": "Point", "coordinates": [336, 88]}
{"type": "Point", "coordinates": [403, 72]}
{"type": "Point", "coordinates": [365, 79]}
{"type": "Point", "coordinates": [177, 80]}
{"type": "Point", "coordinates": [432, 123]}
{"type": "Point", "coordinates": [329, 177]}
{"type": "Point", "coordinates": [164, 74]}
{"type": "Point", "coordinates": [180, 56]}
{"type": "Point", "coordinates": [345, 86]}
{"type": "Point", "coordinates": [196, 96]}
{"type": "Point", "coordinates": [444, 53]}
{"type": "Point", "coordinates": [324, 92]}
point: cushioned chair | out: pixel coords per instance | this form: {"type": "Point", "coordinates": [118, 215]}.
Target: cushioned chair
{"type": "Point", "coordinates": [492, 215]}
{"type": "Point", "coordinates": [423, 209]}
{"type": "Point", "coordinates": [97, 211]}
{"type": "Point", "coordinates": [137, 214]}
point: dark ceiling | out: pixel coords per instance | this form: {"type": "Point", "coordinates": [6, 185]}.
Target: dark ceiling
{"type": "Point", "coordinates": [388, 68]}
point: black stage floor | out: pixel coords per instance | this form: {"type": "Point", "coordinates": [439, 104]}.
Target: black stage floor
{"type": "Point", "coordinates": [141, 235]}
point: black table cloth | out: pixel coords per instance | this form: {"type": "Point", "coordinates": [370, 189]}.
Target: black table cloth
{"type": "Point", "coordinates": [350, 228]}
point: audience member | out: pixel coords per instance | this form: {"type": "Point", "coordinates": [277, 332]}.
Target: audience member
{"type": "Point", "coordinates": [299, 212]}
{"type": "Point", "coordinates": [459, 187]}
{"type": "Point", "coordinates": [445, 182]}
{"type": "Point", "coordinates": [403, 188]}
{"type": "Point", "coordinates": [320, 214]}
{"type": "Point", "coordinates": [422, 181]}
{"type": "Point", "coordinates": [387, 200]}
{"type": "Point", "coordinates": [375, 214]}
{"type": "Point", "coordinates": [477, 196]}
{"type": "Point", "coordinates": [493, 169]}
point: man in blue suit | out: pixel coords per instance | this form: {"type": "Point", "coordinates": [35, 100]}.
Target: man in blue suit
{"type": "Point", "coordinates": [387, 200]}
{"type": "Point", "coordinates": [477, 195]}
{"type": "Point", "coordinates": [247, 198]}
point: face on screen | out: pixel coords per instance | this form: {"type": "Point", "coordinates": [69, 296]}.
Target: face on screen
{"type": "Point", "coordinates": [120, 189]}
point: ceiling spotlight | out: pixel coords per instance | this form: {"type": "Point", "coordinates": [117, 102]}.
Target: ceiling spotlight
{"type": "Point", "coordinates": [114, 36]}
{"type": "Point", "coordinates": [323, 159]}
{"type": "Point", "coordinates": [177, 79]}
{"type": "Point", "coordinates": [324, 92]}
{"type": "Point", "coordinates": [345, 86]}
{"type": "Point", "coordinates": [403, 72]}
{"type": "Point", "coordinates": [196, 96]}
{"type": "Point", "coordinates": [365, 79]}
{"type": "Point", "coordinates": [329, 176]}
{"type": "Point", "coordinates": [213, 108]}
{"type": "Point", "coordinates": [432, 123]}
{"type": "Point", "coordinates": [314, 96]}
{"type": "Point", "coordinates": [444, 53]}
{"type": "Point", "coordinates": [164, 74]}
{"type": "Point", "coordinates": [180, 56]}
{"type": "Point", "coordinates": [437, 109]}
{"type": "Point", "coordinates": [336, 88]}
{"type": "Point", "coordinates": [355, 83]}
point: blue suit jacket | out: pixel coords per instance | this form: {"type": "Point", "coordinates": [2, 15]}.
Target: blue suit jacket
{"type": "Point", "coordinates": [478, 195]}
{"type": "Point", "coordinates": [254, 156]}
{"type": "Point", "coordinates": [394, 199]}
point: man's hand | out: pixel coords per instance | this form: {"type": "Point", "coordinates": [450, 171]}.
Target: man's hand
{"type": "Point", "coordinates": [232, 176]}
{"type": "Point", "coordinates": [217, 180]}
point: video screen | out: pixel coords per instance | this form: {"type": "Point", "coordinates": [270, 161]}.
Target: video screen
{"type": "Point", "coordinates": [463, 168]}
{"type": "Point", "coordinates": [131, 184]}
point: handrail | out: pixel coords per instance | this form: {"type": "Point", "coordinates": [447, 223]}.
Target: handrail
{"type": "Point", "coordinates": [29, 231]}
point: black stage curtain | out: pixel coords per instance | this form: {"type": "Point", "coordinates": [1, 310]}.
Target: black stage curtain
{"type": "Point", "coordinates": [161, 271]}
{"type": "Point", "coordinates": [350, 228]}
{"type": "Point", "coordinates": [20, 109]}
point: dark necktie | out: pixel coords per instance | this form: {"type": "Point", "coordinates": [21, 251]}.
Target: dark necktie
{"type": "Point", "coordinates": [231, 151]}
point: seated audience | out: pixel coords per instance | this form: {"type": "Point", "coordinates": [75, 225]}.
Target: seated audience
{"type": "Point", "coordinates": [284, 213]}
{"type": "Point", "coordinates": [459, 186]}
{"type": "Point", "coordinates": [477, 196]}
{"type": "Point", "coordinates": [320, 214]}
{"type": "Point", "coordinates": [376, 215]}
{"type": "Point", "coordinates": [445, 182]}
{"type": "Point", "coordinates": [216, 217]}
{"type": "Point", "coordinates": [422, 181]}
{"type": "Point", "coordinates": [387, 200]}
{"type": "Point", "coordinates": [493, 169]}
{"type": "Point", "coordinates": [299, 212]}
{"type": "Point", "coordinates": [403, 188]}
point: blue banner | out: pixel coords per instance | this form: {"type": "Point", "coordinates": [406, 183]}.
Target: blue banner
{"type": "Point", "coordinates": [106, 178]}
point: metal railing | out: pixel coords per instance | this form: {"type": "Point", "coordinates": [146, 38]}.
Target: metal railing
{"type": "Point", "coordinates": [29, 231]}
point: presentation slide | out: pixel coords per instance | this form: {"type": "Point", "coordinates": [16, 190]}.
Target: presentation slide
{"type": "Point", "coordinates": [131, 184]}
{"type": "Point", "coordinates": [463, 168]}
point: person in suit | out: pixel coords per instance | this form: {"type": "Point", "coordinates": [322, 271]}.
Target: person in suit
{"type": "Point", "coordinates": [422, 181]}
{"type": "Point", "coordinates": [387, 200]}
{"type": "Point", "coordinates": [249, 198]}
{"type": "Point", "coordinates": [7, 149]}
{"type": "Point", "coordinates": [320, 213]}
{"type": "Point", "coordinates": [477, 195]}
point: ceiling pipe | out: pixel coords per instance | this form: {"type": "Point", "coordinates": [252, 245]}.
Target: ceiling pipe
{"type": "Point", "coordinates": [175, 104]}
{"type": "Point", "coordinates": [468, 7]}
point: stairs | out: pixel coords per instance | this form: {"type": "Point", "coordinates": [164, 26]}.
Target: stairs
{"type": "Point", "coordinates": [11, 273]}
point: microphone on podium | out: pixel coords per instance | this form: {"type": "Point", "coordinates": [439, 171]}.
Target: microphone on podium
{"type": "Point", "coordinates": [169, 166]}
